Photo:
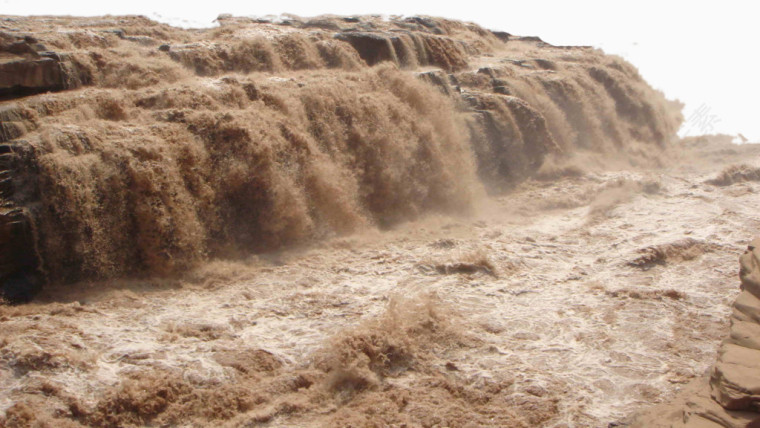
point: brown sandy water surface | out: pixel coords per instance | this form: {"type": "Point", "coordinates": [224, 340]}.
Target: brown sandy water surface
{"type": "Point", "coordinates": [566, 303]}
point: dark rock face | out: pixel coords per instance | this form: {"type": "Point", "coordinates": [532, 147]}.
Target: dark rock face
{"type": "Point", "coordinates": [427, 23]}
{"type": "Point", "coordinates": [14, 122]}
{"type": "Point", "coordinates": [502, 35]}
{"type": "Point", "coordinates": [18, 260]}
{"type": "Point", "coordinates": [19, 281]}
{"type": "Point", "coordinates": [442, 81]}
{"type": "Point", "coordinates": [20, 287]}
{"type": "Point", "coordinates": [414, 45]}
{"type": "Point", "coordinates": [372, 48]}
{"type": "Point", "coordinates": [25, 77]}
{"type": "Point", "coordinates": [27, 69]}
{"type": "Point", "coordinates": [510, 139]}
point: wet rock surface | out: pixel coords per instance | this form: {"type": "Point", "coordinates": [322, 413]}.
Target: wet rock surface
{"type": "Point", "coordinates": [223, 218]}
{"type": "Point", "coordinates": [27, 68]}
{"type": "Point", "coordinates": [731, 396]}
{"type": "Point", "coordinates": [401, 117]}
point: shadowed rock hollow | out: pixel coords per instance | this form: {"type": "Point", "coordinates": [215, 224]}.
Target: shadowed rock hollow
{"type": "Point", "coordinates": [148, 149]}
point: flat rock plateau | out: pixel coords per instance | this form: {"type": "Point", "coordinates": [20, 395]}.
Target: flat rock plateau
{"type": "Point", "coordinates": [362, 221]}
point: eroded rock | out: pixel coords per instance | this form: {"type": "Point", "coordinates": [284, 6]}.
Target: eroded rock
{"type": "Point", "coordinates": [372, 48]}
{"type": "Point", "coordinates": [730, 398]}
{"type": "Point", "coordinates": [27, 68]}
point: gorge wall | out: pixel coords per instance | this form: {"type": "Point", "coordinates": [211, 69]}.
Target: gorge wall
{"type": "Point", "coordinates": [729, 396]}
{"type": "Point", "coordinates": [129, 147]}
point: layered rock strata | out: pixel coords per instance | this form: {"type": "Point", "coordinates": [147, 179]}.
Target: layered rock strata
{"type": "Point", "coordinates": [730, 396]}
{"type": "Point", "coordinates": [134, 148]}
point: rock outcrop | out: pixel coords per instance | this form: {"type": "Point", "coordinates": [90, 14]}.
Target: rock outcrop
{"type": "Point", "coordinates": [27, 67]}
{"type": "Point", "coordinates": [730, 396]}
{"type": "Point", "coordinates": [139, 148]}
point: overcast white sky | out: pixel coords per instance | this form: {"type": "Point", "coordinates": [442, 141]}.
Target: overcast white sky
{"type": "Point", "coordinates": [698, 52]}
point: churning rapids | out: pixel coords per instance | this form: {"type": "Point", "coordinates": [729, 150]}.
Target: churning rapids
{"type": "Point", "coordinates": [351, 222]}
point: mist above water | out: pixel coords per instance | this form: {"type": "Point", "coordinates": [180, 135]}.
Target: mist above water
{"type": "Point", "coordinates": [201, 162]}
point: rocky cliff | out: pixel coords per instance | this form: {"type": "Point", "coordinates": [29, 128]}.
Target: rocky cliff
{"type": "Point", "coordinates": [729, 396]}
{"type": "Point", "coordinates": [133, 148]}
